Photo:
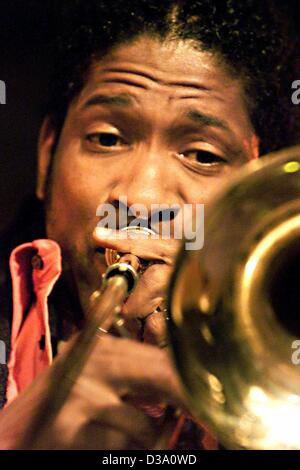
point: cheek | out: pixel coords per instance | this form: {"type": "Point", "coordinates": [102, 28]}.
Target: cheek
{"type": "Point", "coordinates": [200, 190]}
{"type": "Point", "coordinates": [76, 192]}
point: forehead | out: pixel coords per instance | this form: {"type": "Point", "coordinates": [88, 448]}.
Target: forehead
{"type": "Point", "coordinates": [174, 67]}
{"type": "Point", "coordinates": [158, 83]}
{"type": "Point", "coordinates": [171, 60]}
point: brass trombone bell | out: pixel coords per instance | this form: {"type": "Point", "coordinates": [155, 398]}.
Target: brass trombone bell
{"type": "Point", "coordinates": [234, 309]}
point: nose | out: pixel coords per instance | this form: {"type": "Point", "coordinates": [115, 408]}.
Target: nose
{"type": "Point", "coordinates": [147, 180]}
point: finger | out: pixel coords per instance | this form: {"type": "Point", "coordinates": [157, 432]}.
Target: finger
{"type": "Point", "coordinates": [155, 330]}
{"type": "Point", "coordinates": [148, 295]}
{"type": "Point", "coordinates": [142, 304]}
{"type": "Point", "coordinates": [137, 429]}
{"type": "Point", "coordinates": [124, 427]}
{"type": "Point", "coordinates": [145, 248]}
{"type": "Point", "coordinates": [149, 292]}
{"type": "Point", "coordinates": [137, 369]}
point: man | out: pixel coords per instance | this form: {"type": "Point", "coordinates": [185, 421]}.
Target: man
{"type": "Point", "coordinates": [158, 103]}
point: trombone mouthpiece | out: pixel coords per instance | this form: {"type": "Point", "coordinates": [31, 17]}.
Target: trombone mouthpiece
{"type": "Point", "coordinates": [126, 265]}
{"type": "Point", "coordinates": [112, 256]}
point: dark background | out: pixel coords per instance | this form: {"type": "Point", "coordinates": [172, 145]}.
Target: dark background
{"type": "Point", "coordinates": [25, 28]}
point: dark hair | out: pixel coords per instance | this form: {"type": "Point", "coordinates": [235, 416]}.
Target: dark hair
{"type": "Point", "coordinates": [249, 36]}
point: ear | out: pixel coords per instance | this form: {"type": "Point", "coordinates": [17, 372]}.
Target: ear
{"type": "Point", "coordinates": [46, 143]}
{"type": "Point", "coordinates": [255, 144]}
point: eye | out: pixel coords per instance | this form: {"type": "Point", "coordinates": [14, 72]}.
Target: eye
{"type": "Point", "coordinates": [203, 157]}
{"type": "Point", "coordinates": [105, 140]}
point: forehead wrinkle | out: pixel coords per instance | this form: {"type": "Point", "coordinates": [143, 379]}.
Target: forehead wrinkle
{"type": "Point", "coordinates": [195, 86]}
{"type": "Point", "coordinates": [127, 71]}
{"type": "Point", "coordinates": [125, 82]}
{"type": "Point", "coordinates": [152, 78]}
{"type": "Point", "coordinates": [180, 97]}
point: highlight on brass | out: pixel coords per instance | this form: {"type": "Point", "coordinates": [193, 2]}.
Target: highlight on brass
{"type": "Point", "coordinates": [234, 309]}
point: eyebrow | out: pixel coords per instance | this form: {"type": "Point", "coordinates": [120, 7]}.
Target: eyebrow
{"type": "Point", "coordinates": [207, 120]}
{"type": "Point", "coordinates": [115, 100]}
{"type": "Point", "coordinates": [124, 100]}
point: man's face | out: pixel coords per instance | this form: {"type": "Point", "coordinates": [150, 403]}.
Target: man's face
{"type": "Point", "coordinates": [155, 123]}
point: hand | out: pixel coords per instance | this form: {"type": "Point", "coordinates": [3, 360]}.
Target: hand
{"type": "Point", "coordinates": [99, 412]}
{"type": "Point", "coordinates": [151, 289]}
